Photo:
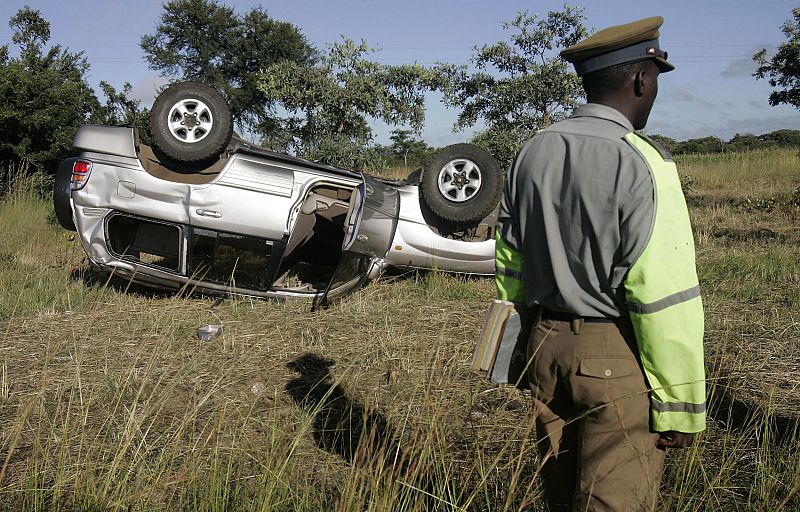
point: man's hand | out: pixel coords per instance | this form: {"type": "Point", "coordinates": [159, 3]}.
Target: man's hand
{"type": "Point", "coordinates": [674, 439]}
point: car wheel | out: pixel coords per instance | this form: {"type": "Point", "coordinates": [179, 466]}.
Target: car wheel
{"type": "Point", "coordinates": [61, 195]}
{"type": "Point", "coordinates": [190, 122]}
{"type": "Point", "coordinates": [462, 184]}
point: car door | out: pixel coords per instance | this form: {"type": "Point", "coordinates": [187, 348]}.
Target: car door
{"type": "Point", "coordinates": [371, 224]}
{"type": "Point", "coordinates": [251, 197]}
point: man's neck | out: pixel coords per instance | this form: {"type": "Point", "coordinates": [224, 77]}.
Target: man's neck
{"type": "Point", "coordinates": [623, 107]}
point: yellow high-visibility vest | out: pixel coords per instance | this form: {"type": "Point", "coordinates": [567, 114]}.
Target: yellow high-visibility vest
{"type": "Point", "coordinates": [663, 300]}
{"type": "Point", "coordinates": [509, 272]}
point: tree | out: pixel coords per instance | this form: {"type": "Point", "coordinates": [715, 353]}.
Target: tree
{"type": "Point", "coordinates": [709, 144]}
{"type": "Point", "coordinates": [520, 85]}
{"type": "Point", "coordinates": [746, 142]}
{"type": "Point", "coordinates": [201, 40]}
{"type": "Point", "coordinates": [119, 108]}
{"type": "Point", "coordinates": [45, 96]}
{"type": "Point", "coordinates": [502, 144]}
{"type": "Point", "coordinates": [403, 144]}
{"type": "Point", "coordinates": [329, 103]}
{"type": "Point", "coordinates": [783, 69]}
{"type": "Point", "coordinates": [783, 138]}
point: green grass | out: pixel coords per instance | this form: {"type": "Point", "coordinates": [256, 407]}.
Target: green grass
{"type": "Point", "coordinates": [108, 400]}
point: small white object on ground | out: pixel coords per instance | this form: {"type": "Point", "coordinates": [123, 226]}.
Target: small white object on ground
{"type": "Point", "coordinates": [258, 387]}
{"type": "Point", "coordinates": [209, 332]}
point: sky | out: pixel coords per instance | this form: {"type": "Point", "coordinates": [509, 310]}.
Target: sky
{"type": "Point", "coordinates": [711, 92]}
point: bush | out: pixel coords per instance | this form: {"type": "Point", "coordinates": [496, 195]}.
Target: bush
{"type": "Point", "coordinates": [777, 202]}
{"type": "Point", "coordinates": [687, 183]}
{"type": "Point", "coordinates": [345, 153]}
{"type": "Point", "coordinates": [502, 144]}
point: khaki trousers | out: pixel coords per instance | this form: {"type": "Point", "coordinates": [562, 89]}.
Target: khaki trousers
{"type": "Point", "coordinates": [592, 417]}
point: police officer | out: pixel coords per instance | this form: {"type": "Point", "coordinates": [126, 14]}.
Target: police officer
{"type": "Point", "coordinates": [594, 238]}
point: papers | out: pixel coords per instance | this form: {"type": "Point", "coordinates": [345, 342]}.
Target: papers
{"type": "Point", "coordinates": [502, 345]}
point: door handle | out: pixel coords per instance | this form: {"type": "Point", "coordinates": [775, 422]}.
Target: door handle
{"type": "Point", "coordinates": [209, 213]}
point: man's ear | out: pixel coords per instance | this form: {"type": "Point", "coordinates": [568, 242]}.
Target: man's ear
{"type": "Point", "coordinates": [639, 83]}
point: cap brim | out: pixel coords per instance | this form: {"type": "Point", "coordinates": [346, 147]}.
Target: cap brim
{"type": "Point", "coordinates": [663, 65]}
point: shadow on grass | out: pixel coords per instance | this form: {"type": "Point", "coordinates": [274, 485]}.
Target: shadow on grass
{"type": "Point", "coordinates": [91, 277]}
{"type": "Point", "coordinates": [777, 427]}
{"type": "Point", "coordinates": [342, 425]}
{"type": "Point", "coordinates": [362, 437]}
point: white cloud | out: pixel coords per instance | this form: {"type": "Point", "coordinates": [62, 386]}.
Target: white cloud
{"type": "Point", "coordinates": [146, 88]}
{"type": "Point", "coordinates": [739, 69]}
{"type": "Point", "coordinates": [743, 67]}
{"type": "Point", "coordinates": [685, 95]}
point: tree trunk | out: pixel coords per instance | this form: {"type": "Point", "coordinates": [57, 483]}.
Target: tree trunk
{"type": "Point", "coordinates": [547, 119]}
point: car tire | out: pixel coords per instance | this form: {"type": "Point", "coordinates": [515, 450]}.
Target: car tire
{"type": "Point", "coordinates": [191, 122]}
{"type": "Point", "coordinates": [462, 184]}
{"type": "Point", "coordinates": [61, 195]}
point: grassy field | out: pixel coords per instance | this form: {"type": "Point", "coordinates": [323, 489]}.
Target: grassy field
{"type": "Point", "coordinates": [108, 401]}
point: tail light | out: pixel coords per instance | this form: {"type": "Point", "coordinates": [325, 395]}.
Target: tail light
{"type": "Point", "coordinates": [81, 170]}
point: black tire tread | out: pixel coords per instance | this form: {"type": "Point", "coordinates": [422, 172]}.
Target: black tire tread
{"type": "Point", "coordinates": [475, 209]}
{"type": "Point", "coordinates": [61, 195]}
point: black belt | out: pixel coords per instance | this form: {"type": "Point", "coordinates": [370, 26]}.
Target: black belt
{"type": "Point", "coordinates": [560, 316]}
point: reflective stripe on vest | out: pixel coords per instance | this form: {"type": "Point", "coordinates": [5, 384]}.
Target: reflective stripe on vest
{"type": "Point", "coordinates": [509, 272]}
{"type": "Point", "coordinates": [664, 304]}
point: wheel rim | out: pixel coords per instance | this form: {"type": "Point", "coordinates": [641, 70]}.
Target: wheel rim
{"type": "Point", "coordinates": [459, 180]}
{"type": "Point", "coordinates": [190, 120]}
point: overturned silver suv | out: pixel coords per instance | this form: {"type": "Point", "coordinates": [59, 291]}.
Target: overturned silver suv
{"type": "Point", "coordinates": [204, 210]}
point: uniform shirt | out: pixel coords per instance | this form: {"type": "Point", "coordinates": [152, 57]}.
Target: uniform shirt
{"type": "Point", "coordinates": [578, 204]}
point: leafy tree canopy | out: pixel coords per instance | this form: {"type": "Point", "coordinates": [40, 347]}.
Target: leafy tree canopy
{"type": "Point", "coordinates": [744, 142]}
{"type": "Point", "coordinates": [204, 41]}
{"type": "Point", "coordinates": [783, 138]}
{"type": "Point", "coordinates": [709, 144]}
{"type": "Point", "coordinates": [119, 108]}
{"type": "Point", "coordinates": [502, 144]}
{"type": "Point", "coordinates": [782, 70]}
{"type": "Point", "coordinates": [329, 103]}
{"type": "Point", "coordinates": [44, 94]}
{"type": "Point", "coordinates": [520, 85]}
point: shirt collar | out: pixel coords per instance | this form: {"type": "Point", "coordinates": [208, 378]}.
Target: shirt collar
{"type": "Point", "coordinates": [603, 112]}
